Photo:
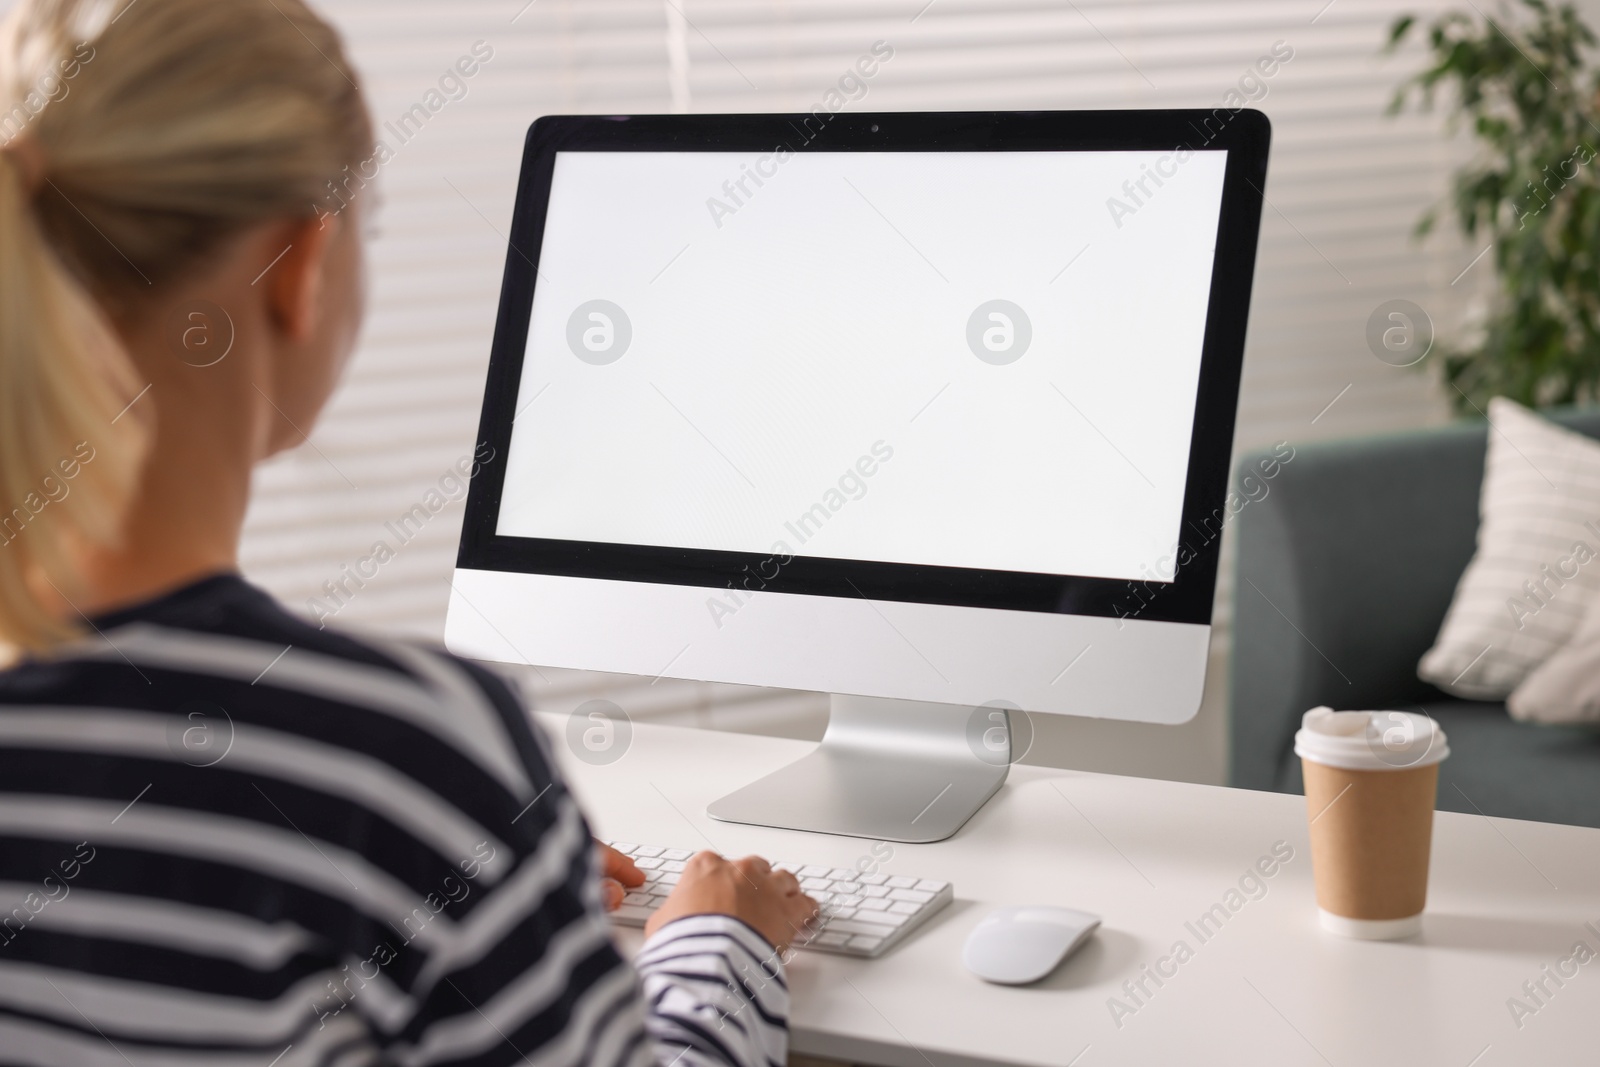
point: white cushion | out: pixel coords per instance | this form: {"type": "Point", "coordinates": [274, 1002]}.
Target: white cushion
{"type": "Point", "coordinates": [1566, 687]}
{"type": "Point", "coordinates": [1536, 568]}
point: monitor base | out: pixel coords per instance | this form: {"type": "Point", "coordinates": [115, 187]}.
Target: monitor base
{"type": "Point", "coordinates": [890, 770]}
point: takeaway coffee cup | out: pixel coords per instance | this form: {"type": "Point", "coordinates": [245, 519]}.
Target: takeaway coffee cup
{"type": "Point", "coordinates": [1370, 783]}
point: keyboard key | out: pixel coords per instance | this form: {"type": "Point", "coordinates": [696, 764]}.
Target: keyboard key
{"type": "Point", "coordinates": [904, 908]}
{"type": "Point", "coordinates": [636, 897]}
{"type": "Point", "coordinates": [839, 874]}
{"type": "Point", "coordinates": [821, 897]}
{"type": "Point", "coordinates": [880, 904]}
{"type": "Point", "coordinates": [666, 877]}
{"type": "Point", "coordinates": [865, 944]}
{"type": "Point", "coordinates": [678, 854]}
{"type": "Point", "coordinates": [814, 884]}
{"type": "Point", "coordinates": [633, 912]}
{"type": "Point", "coordinates": [928, 885]}
{"type": "Point", "coordinates": [915, 896]}
{"type": "Point", "coordinates": [874, 890]}
{"type": "Point", "coordinates": [672, 865]}
{"type": "Point", "coordinates": [880, 919]}
{"type": "Point", "coordinates": [813, 872]}
{"type": "Point", "coordinates": [847, 900]}
{"type": "Point", "coordinates": [647, 864]}
{"type": "Point", "coordinates": [830, 938]}
{"type": "Point", "coordinates": [854, 926]}
{"type": "Point", "coordinates": [648, 851]}
{"type": "Point", "coordinates": [624, 847]}
{"type": "Point", "coordinates": [872, 879]}
{"type": "Point", "coordinates": [902, 883]}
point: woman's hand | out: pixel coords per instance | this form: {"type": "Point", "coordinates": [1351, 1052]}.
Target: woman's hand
{"type": "Point", "coordinates": [747, 889]}
{"type": "Point", "coordinates": [617, 875]}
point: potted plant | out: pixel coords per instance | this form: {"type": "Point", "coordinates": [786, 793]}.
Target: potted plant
{"type": "Point", "coordinates": [1530, 197]}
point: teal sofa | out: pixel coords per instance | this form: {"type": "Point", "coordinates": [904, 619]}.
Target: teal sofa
{"type": "Point", "coordinates": [1345, 569]}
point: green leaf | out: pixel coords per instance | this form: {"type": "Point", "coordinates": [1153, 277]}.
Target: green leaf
{"type": "Point", "coordinates": [1400, 27]}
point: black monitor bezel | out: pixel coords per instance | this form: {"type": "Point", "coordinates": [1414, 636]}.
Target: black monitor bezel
{"type": "Point", "coordinates": [1244, 133]}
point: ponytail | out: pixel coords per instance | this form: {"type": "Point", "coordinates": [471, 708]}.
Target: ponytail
{"type": "Point", "coordinates": [139, 135]}
{"type": "Point", "coordinates": [69, 451]}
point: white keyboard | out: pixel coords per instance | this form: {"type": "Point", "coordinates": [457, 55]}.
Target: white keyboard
{"type": "Point", "coordinates": [862, 914]}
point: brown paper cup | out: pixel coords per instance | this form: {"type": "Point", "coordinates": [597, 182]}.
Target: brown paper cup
{"type": "Point", "coordinates": [1371, 832]}
{"type": "Point", "coordinates": [1370, 809]}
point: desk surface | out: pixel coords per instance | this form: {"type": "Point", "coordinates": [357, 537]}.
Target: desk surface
{"type": "Point", "coordinates": [1266, 986]}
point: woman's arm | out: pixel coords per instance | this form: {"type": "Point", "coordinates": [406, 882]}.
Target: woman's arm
{"type": "Point", "coordinates": [530, 973]}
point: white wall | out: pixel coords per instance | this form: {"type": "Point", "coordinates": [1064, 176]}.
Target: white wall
{"type": "Point", "coordinates": [1345, 185]}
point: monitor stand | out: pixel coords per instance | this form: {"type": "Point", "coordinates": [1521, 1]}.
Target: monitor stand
{"type": "Point", "coordinates": [891, 770]}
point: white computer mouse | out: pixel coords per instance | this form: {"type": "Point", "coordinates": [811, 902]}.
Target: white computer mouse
{"type": "Point", "coordinates": [1015, 946]}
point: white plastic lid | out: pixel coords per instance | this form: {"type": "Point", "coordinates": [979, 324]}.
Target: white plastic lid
{"type": "Point", "coordinates": [1370, 740]}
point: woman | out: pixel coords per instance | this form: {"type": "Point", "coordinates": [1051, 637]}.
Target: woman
{"type": "Point", "coordinates": [227, 837]}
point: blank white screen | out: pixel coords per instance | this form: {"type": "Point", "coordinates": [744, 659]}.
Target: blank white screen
{"type": "Point", "coordinates": [776, 344]}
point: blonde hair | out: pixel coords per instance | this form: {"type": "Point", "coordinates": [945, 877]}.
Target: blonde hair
{"type": "Point", "coordinates": [141, 136]}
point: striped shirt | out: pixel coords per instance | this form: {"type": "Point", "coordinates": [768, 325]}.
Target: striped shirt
{"type": "Point", "coordinates": [228, 838]}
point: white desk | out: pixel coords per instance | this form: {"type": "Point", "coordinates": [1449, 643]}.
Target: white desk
{"type": "Point", "coordinates": [1268, 988]}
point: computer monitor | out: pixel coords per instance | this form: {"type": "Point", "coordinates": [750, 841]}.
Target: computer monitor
{"type": "Point", "coordinates": [932, 412]}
